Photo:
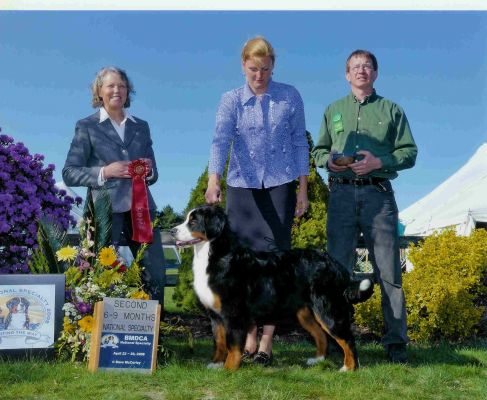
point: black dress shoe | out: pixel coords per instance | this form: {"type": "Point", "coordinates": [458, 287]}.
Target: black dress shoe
{"type": "Point", "coordinates": [262, 358]}
{"type": "Point", "coordinates": [397, 353]}
{"type": "Point", "coordinates": [247, 356]}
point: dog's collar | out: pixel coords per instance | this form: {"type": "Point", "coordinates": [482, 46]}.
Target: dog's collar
{"type": "Point", "coordinates": [188, 243]}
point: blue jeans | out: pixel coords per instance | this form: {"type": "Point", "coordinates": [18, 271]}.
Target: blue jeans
{"type": "Point", "coordinates": [371, 210]}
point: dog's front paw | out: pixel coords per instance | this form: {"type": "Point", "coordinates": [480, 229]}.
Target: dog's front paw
{"type": "Point", "coordinates": [314, 360]}
{"type": "Point", "coordinates": [213, 365]}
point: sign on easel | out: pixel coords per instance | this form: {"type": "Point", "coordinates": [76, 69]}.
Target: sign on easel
{"type": "Point", "coordinates": [125, 335]}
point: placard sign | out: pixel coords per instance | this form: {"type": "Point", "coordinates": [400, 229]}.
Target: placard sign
{"type": "Point", "coordinates": [125, 335]}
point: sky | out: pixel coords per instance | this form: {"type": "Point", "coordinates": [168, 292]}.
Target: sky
{"type": "Point", "coordinates": [432, 63]}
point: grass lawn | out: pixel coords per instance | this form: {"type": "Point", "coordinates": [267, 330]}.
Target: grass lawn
{"type": "Point", "coordinates": [441, 372]}
{"type": "Point", "coordinates": [435, 372]}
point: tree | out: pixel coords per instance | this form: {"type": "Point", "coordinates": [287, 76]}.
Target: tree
{"type": "Point", "coordinates": [307, 232]}
{"type": "Point", "coordinates": [168, 218]}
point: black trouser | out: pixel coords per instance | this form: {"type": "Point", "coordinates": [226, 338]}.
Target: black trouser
{"type": "Point", "coordinates": [262, 218]}
{"type": "Point", "coordinates": [154, 273]}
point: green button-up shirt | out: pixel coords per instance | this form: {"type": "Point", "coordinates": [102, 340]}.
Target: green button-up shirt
{"type": "Point", "coordinates": [377, 125]}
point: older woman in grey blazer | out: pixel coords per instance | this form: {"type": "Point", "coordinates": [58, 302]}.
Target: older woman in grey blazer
{"type": "Point", "coordinates": [103, 146]}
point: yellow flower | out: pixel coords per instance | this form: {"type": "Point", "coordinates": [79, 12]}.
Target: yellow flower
{"type": "Point", "coordinates": [108, 277]}
{"type": "Point", "coordinates": [68, 326]}
{"type": "Point", "coordinates": [107, 256]}
{"type": "Point", "coordinates": [73, 275]}
{"type": "Point", "coordinates": [86, 323]}
{"type": "Point", "coordinates": [139, 294]}
{"type": "Point", "coordinates": [67, 253]}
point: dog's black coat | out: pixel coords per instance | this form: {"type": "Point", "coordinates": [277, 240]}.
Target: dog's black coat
{"type": "Point", "coordinates": [252, 288]}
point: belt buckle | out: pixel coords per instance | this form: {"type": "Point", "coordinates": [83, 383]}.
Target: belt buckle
{"type": "Point", "coordinates": [362, 181]}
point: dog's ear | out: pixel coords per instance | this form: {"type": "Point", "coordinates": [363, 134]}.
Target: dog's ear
{"type": "Point", "coordinates": [12, 302]}
{"type": "Point", "coordinates": [215, 221]}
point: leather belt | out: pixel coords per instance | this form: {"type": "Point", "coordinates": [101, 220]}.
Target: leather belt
{"type": "Point", "coordinates": [357, 181]}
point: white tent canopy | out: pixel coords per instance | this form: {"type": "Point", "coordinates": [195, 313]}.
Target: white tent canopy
{"type": "Point", "coordinates": [459, 202]}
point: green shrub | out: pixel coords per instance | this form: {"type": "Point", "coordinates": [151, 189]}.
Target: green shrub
{"type": "Point", "coordinates": [442, 291]}
{"type": "Point", "coordinates": [369, 314]}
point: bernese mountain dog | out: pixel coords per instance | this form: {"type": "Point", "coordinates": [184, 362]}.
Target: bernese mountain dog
{"type": "Point", "coordinates": [18, 315]}
{"type": "Point", "coordinates": [241, 288]}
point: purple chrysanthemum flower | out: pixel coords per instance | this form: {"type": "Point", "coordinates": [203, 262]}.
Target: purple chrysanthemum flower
{"type": "Point", "coordinates": [27, 192]}
{"type": "Point", "coordinates": [83, 308]}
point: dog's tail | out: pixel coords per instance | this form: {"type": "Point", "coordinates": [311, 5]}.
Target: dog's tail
{"type": "Point", "coordinates": [359, 291]}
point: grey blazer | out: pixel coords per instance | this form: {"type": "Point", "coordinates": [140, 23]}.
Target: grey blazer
{"type": "Point", "coordinates": [97, 144]}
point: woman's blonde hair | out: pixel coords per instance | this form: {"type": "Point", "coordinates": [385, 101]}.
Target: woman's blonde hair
{"type": "Point", "coordinates": [258, 47]}
{"type": "Point", "coordinates": [96, 100]}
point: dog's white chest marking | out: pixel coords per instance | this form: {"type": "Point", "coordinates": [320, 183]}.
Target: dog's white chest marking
{"type": "Point", "coordinates": [18, 321]}
{"type": "Point", "coordinates": [200, 262]}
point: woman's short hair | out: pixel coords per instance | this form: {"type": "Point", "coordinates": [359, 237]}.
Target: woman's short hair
{"type": "Point", "coordinates": [258, 47]}
{"type": "Point", "coordinates": [364, 53]}
{"type": "Point", "coordinates": [96, 100]}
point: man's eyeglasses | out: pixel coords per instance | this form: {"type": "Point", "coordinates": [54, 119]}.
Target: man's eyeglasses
{"type": "Point", "coordinates": [358, 67]}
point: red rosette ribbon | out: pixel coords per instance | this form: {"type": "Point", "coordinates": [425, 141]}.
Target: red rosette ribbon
{"type": "Point", "coordinates": [141, 224]}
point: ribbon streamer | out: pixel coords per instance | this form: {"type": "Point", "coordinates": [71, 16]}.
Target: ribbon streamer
{"type": "Point", "coordinates": [141, 224]}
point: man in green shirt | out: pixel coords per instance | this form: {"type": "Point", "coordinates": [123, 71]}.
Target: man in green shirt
{"type": "Point", "coordinates": [364, 140]}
